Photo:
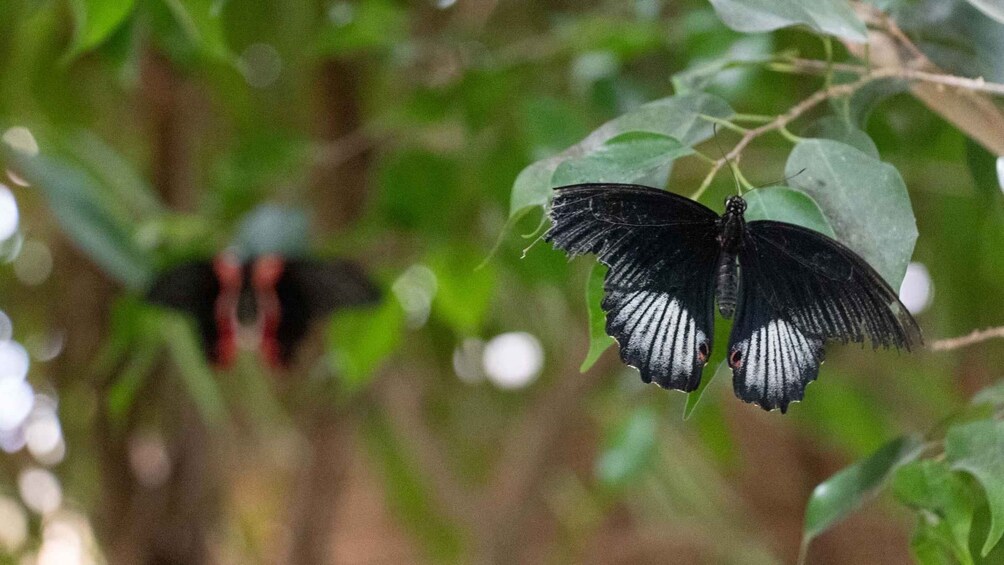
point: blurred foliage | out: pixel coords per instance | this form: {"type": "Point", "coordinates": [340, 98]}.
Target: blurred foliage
{"type": "Point", "coordinates": [417, 138]}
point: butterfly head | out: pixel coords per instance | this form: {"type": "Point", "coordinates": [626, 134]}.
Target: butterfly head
{"type": "Point", "coordinates": [735, 205]}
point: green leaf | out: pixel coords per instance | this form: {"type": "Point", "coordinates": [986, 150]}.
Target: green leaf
{"type": "Point", "coordinates": [629, 448]}
{"type": "Point", "coordinates": [678, 117]}
{"type": "Point", "coordinates": [977, 448]}
{"type": "Point", "coordinates": [945, 505]}
{"type": "Point", "coordinates": [95, 20]}
{"type": "Point", "coordinates": [842, 494]}
{"type": "Point", "coordinates": [76, 201]}
{"type": "Point", "coordinates": [786, 205]}
{"type": "Point", "coordinates": [832, 17]}
{"type": "Point", "coordinates": [599, 341]}
{"type": "Point", "coordinates": [195, 374]}
{"type": "Point", "coordinates": [463, 294]}
{"type": "Point", "coordinates": [359, 340]}
{"type": "Point", "coordinates": [355, 27]}
{"type": "Point", "coordinates": [991, 8]}
{"type": "Point", "coordinates": [694, 397]}
{"type": "Point", "coordinates": [864, 199]}
{"type": "Point", "coordinates": [742, 57]}
{"type": "Point", "coordinates": [984, 170]}
{"type": "Point", "coordinates": [203, 26]}
{"type": "Point", "coordinates": [842, 130]}
{"type": "Point", "coordinates": [993, 395]}
{"type": "Point", "coordinates": [628, 157]}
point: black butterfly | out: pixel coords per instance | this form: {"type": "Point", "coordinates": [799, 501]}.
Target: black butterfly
{"type": "Point", "coordinates": [670, 258]}
{"type": "Point", "coordinates": [269, 298]}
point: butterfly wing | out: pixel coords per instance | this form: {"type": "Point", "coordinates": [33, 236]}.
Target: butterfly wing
{"type": "Point", "coordinates": [308, 290]}
{"type": "Point", "coordinates": [661, 251]}
{"type": "Point", "coordinates": [799, 289]}
{"type": "Point", "coordinates": [191, 288]}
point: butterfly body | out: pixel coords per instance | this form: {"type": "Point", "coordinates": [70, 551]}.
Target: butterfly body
{"type": "Point", "coordinates": [671, 259]}
{"type": "Point", "coordinates": [265, 303]}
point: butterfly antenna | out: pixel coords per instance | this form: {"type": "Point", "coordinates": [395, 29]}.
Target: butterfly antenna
{"type": "Point", "coordinates": [732, 167]}
{"type": "Point", "coordinates": [784, 180]}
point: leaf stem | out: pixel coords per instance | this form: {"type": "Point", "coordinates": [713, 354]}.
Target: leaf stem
{"type": "Point", "coordinates": [724, 123]}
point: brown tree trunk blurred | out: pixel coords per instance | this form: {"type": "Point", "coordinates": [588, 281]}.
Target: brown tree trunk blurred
{"type": "Point", "coordinates": [338, 193]}
{"type": "Point", "coordinates": [165, 524]}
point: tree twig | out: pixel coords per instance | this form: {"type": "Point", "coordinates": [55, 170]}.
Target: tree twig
{"type": "Point", "coordinates": [784, 119]}
{"type": "Point", "coordinates": [975, 84]}
{"type": "Point", "coordinates": [975, 337]}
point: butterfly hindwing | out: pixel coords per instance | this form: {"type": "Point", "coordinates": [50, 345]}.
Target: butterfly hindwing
{"type": "Point", "coordinates": [661, 250]}
{"type": "Point", "coordinates": [799, 289]}
{"type": "Point", "coordinates": [308, 290]}
{"type": "Point", "coordinates": [772, 360]}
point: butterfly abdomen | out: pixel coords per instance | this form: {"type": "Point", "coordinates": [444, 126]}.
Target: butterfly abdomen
{"type": "Point", "coordinates": [727, 284]}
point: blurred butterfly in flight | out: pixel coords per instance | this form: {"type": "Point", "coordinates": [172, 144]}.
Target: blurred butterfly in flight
{"type": "Point", "coordinates": [265, 303]}
{"type": "Point", "coordinates": [670, 259]}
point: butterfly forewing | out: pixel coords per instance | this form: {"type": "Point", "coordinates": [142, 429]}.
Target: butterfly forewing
{"type": "Point", "coordinates": [661, 251]}
{"type": "Point", "coordinates": [191, 288]}
{"type": "Point", "coordinates": [824, 288]}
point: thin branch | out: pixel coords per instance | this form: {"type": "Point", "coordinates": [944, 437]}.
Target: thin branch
{"type": "Point", "coordinates": [784, 119]}
{"type": "Point", "coordinates": [975, 84]}
{"type": "Point", "coordinates": [977, 336]}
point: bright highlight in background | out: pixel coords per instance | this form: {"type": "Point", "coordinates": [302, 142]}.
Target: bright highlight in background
{"type": "Point", "coordinates": [40, 490]}
{"type": "Point", "coordinates": [513, 360]}
{"type": "Point", "coordinates": [917, 290]}
{"type": "Point", "coordinates": [1000, 172]}
{"type": "Point", "coordinates": [8, 213]}
{"type": "Point", "coordinates": [21, 140]}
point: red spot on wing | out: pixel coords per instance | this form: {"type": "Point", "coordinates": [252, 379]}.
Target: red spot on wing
{"type": "Point", "coordinates": [735, 359]}
{"type": "Point", "coordinates": [265, 274]}
{"type": "Point", "coordinates": [228, 272]}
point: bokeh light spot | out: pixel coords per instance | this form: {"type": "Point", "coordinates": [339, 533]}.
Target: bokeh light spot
{"type": "Point", "coordinates": [149, 459]}
{"type": "Point", "coordinates": [34, 264]}
{"type": "Point", "coordinates": [13, 360]}
{"type": "Point", "coordinates": [8, 213]}
{"type": "Point", "coordinates": [6, 327]}
{"type": "Point", "coordinates": [467, 360]}
{"type": "Point", "coordinates": [13, 525]}
{"type": "Point", "coordinates": [40, 490]}
{"type": "Point", "coordinates": [415, 289]}
{"type": "Point", "coordinates": [21, 140]}
{"type": "Point", "coordinates": [917, 290]}
{"type": "Point", "coordinates": [16, 400]}
{"type": "Point", "coordinates": [341, 13]}
{"type": "Point", "coordinates": [261, 64]}
{"type": "Point", "coordinates": [513, 360]}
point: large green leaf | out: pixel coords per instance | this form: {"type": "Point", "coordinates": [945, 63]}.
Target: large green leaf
{"type": "Point", "coordinates": [992, 8]}
{"type": "Point", "coordinates": [864, 199]}
{"type": "Point", "coordinates": [629, 448]}
{"type": "Point", "coordinates": [198, 378]}
{"type": "Point", "coordinates": [977, 448]}
{"type": "Point", "coordinates": [678, 117]}
{"type": "Point", "coordinates": [359, 340]}
{"type": "Point", "coordinates": [629, 157]}
{"type": "Point", "coordinates": [945, 505]}
{"type": "Point", "coordinates": [203, 26]}
{"type": "Point", "coordinates": [599, 341]}
{"type": "Point", "coordinates": [841, 129]}
{"type": "Point", "coordinates": [841, 494]}
{"type": "Point", "coordinates": [693, 398]}
{"type": "Point", "coordinates": [95, 20]}
{"type": "Point", "coordinates": [832, 17]}
{"type": "Point", "coordinates": [76, 201]}
{"type": "Point", "coordinates": [786, 205]}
